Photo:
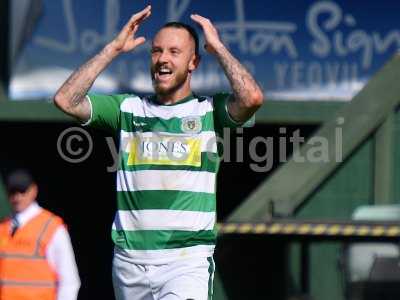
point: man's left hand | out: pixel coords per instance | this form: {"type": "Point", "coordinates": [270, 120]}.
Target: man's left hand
{"type": "Point", "coordinates": [212, 39]}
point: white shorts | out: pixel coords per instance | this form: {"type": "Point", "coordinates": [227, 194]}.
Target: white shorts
{"type": "Point", "coordinates": [184, 279]}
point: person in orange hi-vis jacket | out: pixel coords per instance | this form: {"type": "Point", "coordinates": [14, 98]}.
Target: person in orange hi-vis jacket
{"type": "Point", "coordinates": [36, 256]}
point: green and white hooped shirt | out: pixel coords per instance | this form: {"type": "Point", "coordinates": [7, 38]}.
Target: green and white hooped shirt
{"type": "Point", "coordinates": [166, 179]}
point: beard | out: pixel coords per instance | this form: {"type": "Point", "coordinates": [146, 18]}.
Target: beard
{"type": "Point", "coordinates": [175, 84]}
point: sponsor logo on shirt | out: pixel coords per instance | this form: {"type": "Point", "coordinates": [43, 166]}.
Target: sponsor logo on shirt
{"type": "Point", "coordinates": [165, 150]}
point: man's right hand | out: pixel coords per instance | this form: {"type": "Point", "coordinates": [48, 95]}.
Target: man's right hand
{"type": "Point", "coordinates": [71, 97]}
{"type": "Point", "coordinates": [126, 40]}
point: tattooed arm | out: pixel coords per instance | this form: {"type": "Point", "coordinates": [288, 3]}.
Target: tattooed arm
{"type": "Point", "coordinates": [247, 95]}
{"type": "Point", "coordinates": [71, 97]}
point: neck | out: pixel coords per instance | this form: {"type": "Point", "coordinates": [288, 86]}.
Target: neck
{"type": "Point", "coordinates": [177, 95]}
{"type": "Point", "coordinates": [167, 99]}
{"type": "Point", "coordinates": [31, 205]}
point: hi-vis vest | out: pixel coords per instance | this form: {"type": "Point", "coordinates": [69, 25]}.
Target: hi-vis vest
{"type": "Point", "coordinates": [25, 273]}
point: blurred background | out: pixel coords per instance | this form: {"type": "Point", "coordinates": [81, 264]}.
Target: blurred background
{"type": "Point", "coordinates": [315, 217]}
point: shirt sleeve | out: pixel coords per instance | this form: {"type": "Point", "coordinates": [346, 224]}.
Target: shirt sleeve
{"type": "Point", "coordinates": [60, 256]}
{"type": "Point", "coordinates": [222, 115]}
{"type": "Point", "coordinates": [105, 112]}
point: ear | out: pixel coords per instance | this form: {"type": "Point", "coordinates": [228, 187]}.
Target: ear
{"type": "Point", "coordinates": [194, 62]}
{"type": "Point", "coordinates": [33, 191]}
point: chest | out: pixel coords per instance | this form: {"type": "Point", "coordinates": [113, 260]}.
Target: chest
{"type": "Point", "coordinates": [24, 241]}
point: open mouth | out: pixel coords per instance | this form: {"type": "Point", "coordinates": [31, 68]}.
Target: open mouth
{"type": "Point", "coordinates": [163, 74]}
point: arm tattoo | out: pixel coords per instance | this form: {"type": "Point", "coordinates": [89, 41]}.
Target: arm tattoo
{"type": "Point", "coordinates": [79, 86]}
{"type": "Point", "coordinates": [79, 83]}
{"type": "Point", "coordinates": [75, 88]}
{"type": "Point", "coordinates": [242, 82]}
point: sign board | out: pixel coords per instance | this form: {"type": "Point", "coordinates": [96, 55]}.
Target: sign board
{"type": "Point", "coordinates": [297, 50]}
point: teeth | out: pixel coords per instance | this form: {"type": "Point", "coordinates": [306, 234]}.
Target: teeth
{"type": "Point", "coordinates": [164, 70]}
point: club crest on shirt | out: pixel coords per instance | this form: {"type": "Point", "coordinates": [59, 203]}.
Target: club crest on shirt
{"type": "Point", "coordinates": [191, 124]}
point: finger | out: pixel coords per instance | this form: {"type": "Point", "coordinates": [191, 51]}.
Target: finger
{"type": "Point", "coordinates": [199, 22]}
{"type": "Point", "coordinates": [139, 41]}
{"type": "Point", "coordinates": [140, 14]}
{"type": "Point", "coordinates": [135, 29]}
{"type": "Point", "coordinates": [196, 19]}
{"type": "Point", "coordinates": [142, 18]}
{"type": "Point", "coordinates": [133, 43]}
{"type": "Point", "coordinates": [132, 25]}
{"type": "Point", "coordinates": [199, 18]}
{"type": "Point", "coordinates": [135, 26]}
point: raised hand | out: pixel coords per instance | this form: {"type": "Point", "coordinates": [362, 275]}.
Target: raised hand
{"type": "Point", "coordinates": [212, 39]}
{"type": "Point", "coordinates": [71, 97]}
{"type": "Point", "coordinates": [247, 95]}
{"type": "Point", "coordinates": [126, 40]}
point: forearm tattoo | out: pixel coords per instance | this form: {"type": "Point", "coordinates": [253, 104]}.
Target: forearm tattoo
{"type": "Point", "coordinates": [242, 82]}
{"type": "Point", "coordinates": [78, 84]}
